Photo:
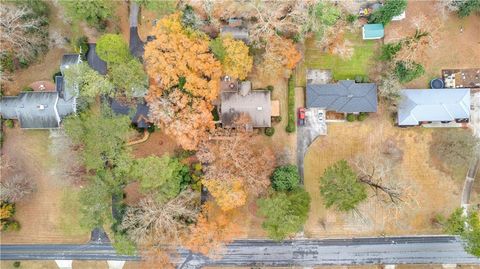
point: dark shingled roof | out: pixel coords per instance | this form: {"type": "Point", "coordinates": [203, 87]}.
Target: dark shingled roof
{"type": "Point", "coordinates": [344, 96]}
{"type": "Point", "coordinates": [94, 61]}
{"type": "Point", "coordinates": [140, 118]}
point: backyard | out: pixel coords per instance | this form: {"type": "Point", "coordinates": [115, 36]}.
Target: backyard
{"type": "Point", "coordinates": [430, 190]}
{"type": "Point", "coordinates": [53, 206]}
{"type": "Point", "coordinates": [358, 65]}
{"type": "Point", "coordinates": [457, 43]}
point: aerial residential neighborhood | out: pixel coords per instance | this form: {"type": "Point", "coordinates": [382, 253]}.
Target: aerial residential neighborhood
{"type": "Point", "coordinates": [239, 134]}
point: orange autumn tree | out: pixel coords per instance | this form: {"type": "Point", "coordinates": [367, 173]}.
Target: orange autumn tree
{"type": "Point", "coordinates": [213, 229]}
{"type": "Point", "coordinates": [178, 53]}
{"type": "Point", "coordinates": [186, 118]}
{"type": "Point", "coordinates": [280, 55]}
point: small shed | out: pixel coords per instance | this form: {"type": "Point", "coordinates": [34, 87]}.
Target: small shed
{"type": "Point", "coordinates": [373, 31]}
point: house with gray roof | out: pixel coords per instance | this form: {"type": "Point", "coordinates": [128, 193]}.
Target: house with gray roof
{"type": "Point", "coordinates": [345, 96]}
{"type": "Point", "coordinates": [242, 99]}
{"type": "Point", "coordinates": [42, 110]}
{"type": "Point", "coordinates": [433, 105]}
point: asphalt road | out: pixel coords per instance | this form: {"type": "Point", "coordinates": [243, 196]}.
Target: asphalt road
{"type": "Point", "coordinates": [389, 250]}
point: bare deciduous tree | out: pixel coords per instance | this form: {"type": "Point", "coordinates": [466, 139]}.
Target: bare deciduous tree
{"type": "Point", "coordinates": [15, 188]}
{"type": "Point", "coordinates": [19, 31]}
{"type": "Point", "coordinates": [153, 222]}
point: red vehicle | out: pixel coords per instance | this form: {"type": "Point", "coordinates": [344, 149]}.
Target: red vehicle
{"type": "Point", "coordinates": [301, 116]}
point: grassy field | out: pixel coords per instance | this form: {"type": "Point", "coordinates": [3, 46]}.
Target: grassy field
{"type": "Point", "coordinates": [431, 191]}
{"type": "Point", "coordinates": [357, 65]}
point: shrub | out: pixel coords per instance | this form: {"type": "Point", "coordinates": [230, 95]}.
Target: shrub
{"type": "Point", "coordinates": [58, 73]}
{"type": "Point", "coordinates": [151, 128]}
{"type": "Point", "coordinates": [351, 117]}
{"type": "Point", "coordinates": [9, 123]}
{"type": "Point", "coordinates": [27, 89]}
{"type": "Point", "coordinates": [285, 178]}
{"type": "Point", "coordinates": [465, 8]}
{"type": "Point", "coordinates": [362, 116]}
{"type": "Point", "coordinates": [277, 119]}
{"type": "Point", "coordinates": [390, 9]}
{"type": "Point", "coordinates": [269, 131]}
{"type": "Point", "coordinates": [216, 45]}
{"type": "Point", "coordinates": [358, 79]}
{"type": "Point", "coordinates": [351, 18]}
{"type": "Point", "coordinates": [16, 264]}
{"type": "Point", "coordinates": [81, 46]}
{"type": "Point", "coordinates": [389, 51]}
{"type": "Point", "coordinates": [407, 72]}
{"type": "Point", "coordinates": [6, 61]}
{"type": "Point", "coordinates": [270, 88]}
{"type": "Point", "coordinates": [291, 126]}
{"type": "Point", "coordinates": [12, 226]}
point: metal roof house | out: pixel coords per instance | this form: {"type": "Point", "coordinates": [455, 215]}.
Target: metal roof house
{"type": "Point", "coordinates": [42, 110]}
{"type": "Point", "coordinates": [373, 31]}
{"type": "Point", "coordinates": [345, 96]}
{"type": "Point", "coordinates": [256, 104]}
{"type": "Point", "coordinates": [433, 105]}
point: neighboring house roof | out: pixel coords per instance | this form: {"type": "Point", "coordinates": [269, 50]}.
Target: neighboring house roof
{"type": "Point", "coordinates": [344, 96]}
{"type": "Point", "coordinates": [373, 31]}
{"type": "Point", "coordinates": [68, 60]}
{"type": "Point", "coordinates": [94, 61]}
{"type": "Point", "coordinates": [433, 105]}
{"type": "Point", "coordinates": [43, 110]}
{"type": "Point", "coordinates": [36, 110]}
{"type": "Point", "coordinates": [256, 104]}
{"type": "Point", "coordinates": [138, 115]}
{"type": "Point", "coordinates": [236, 32]}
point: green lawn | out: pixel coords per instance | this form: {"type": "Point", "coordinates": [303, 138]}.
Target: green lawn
{"type": "Point", "coordinates": [358, 64]}
{"type": "Point", "coordinates": [69, 222]}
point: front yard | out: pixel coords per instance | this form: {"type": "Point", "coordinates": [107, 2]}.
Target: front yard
{"type": "Point", "coordinates": [432, 191]}
{"type": "Point", "coordinates": [51, 213]}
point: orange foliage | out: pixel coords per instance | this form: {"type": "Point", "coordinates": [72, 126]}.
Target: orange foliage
{"type": "Point", "coordinates": [156, 258]}
{"type": "Point", "coordinates": [227, 194]}
{"type": "Point", "coordinates": [186, 118]}
{"type": "Point", "coordinates": [279, 58]}
{"type": "Point", "coordinates": [180, 53]}
{"type": "Point", "coordinates": [214, 228]}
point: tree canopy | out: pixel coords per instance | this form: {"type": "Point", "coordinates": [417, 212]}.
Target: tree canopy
{"type": "Point", "coordinates": [339, 187]}
{"type": "Point", "coordinates": [468, 227]}
{"type": "Point", "coordinates": [90, 82]}
{"type": "Point", "coordinates": [390, 9]}
{"type": "Point", "coordinates": [178, 53]}
{"type": "Point", "coordinates": [285, 178]}
{"type": "Point", "coordinates": [129, 76]}
{"type": "Point", "coordinates": [94, 12]}
{"type": "Point", "coordinates": [113, 49]}
{"type": "Point", "coordinates": [285, 213]}
{"type": "Point", "coordinates": [161, 176]}
{"type": "Point", "coordinates": [234, 56]}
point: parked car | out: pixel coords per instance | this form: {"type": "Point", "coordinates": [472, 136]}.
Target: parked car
{"type": "Point", "coordinates": [301, 116]}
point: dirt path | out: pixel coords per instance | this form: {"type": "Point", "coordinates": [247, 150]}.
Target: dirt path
{"type": "Point", "coordinates": [41, 214]}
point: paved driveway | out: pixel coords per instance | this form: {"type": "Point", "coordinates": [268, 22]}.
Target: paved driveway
{"type": "Point", "coordinates": [314, 126]}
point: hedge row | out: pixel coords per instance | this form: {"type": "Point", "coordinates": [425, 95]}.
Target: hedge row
{"type": "Point", "coordinates": [291, 105]}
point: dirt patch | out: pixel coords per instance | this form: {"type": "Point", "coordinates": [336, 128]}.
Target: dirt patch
{"type": "Point", "coordinates": [455, 49]}
{"type": "Point", "coordinates": [432, 191]}
{"type": "Point", "coordinates": [157, 144]}
{"type": "Point", "coordinates": [43, 216]}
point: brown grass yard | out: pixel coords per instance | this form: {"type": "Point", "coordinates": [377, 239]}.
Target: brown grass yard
{"type": "Point", "coordinates": [433, 191]}
{"type": "Point", "coordinates": [50, 214]}
{"type": "Point", "coordinates": [454, 50]}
